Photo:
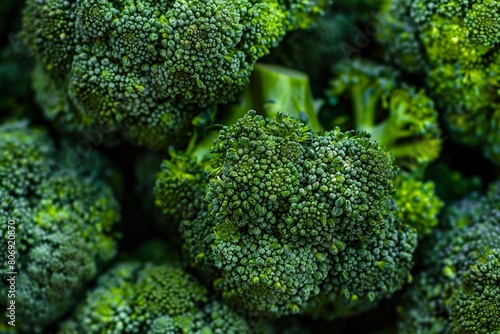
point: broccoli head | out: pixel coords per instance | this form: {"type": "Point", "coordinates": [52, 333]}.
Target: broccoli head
{"type": "Point", "coordinates": [142, 297]}
{"type": "Point", "coordinates": [459, 44]}
{"type": "Point", "coordinates": [457, 292]}
{"type": "Point", "coordinates": [399, 116]}
{"type": "Point", "coordinates": [150, 67]}
{"type": "Point", "coordinates": [63, 221]}
{"type": "Point", "coordinates": [284, 207]}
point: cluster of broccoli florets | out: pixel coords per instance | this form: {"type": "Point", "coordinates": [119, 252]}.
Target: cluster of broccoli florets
{"type": "Point", "coordinates": [459, 290]}
{"type": "Point", "coordinates": [454, 44]}
{"type": "Point", "coordinates": [63, 224]}
{"type": "Point", "coordinates": [245, 166]}
{"type": "Point", "coordinates": [150, 67]}
{"type": "Point", "coordinates": [282, 219]}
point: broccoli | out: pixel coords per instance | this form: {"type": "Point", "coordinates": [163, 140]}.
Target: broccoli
{"type": "Point", "coordinates": [458, 290]}
{"type": "Point", "coordinates": [63, 218]}
{"type": "Point", "coordinates": [417, 202]}
{"type": "Point", "coordinates": [336, 36]}
{"type": "Point", "coordinates": [459, 43]}
{"type": "Point", "coordinates": [398, 116]}
{"type": "Point", "coordinates": [146, 297]}
{"type": "Point", "coordinates": [150, 67]}
{"type": "Point", "coordinates": [284, 213]}
{"type": "Point", "coordinates": [399, 37]}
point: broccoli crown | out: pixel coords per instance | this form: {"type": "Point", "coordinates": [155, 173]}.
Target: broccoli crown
{"type": "Point", "coordinates": [180, 187]}
{"type": "Point", "coordinates": [151, 66]}
{"type": "Point", "coordinates": [417, 202]}
{"type": "Point", "coordinates": [458, 290]}
{"type": "Point", "coordinates": [399, 116]}
{"type": "Point", "coordinates": [141, 297]}
{"type": "Point", "coordinates": [459, 42]}
{"type": "Point", "coordinates": [283, 204]}
{"type": "Point", "coordinates": [63, 222]}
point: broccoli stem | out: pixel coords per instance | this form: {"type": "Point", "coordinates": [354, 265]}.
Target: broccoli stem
{"type": "Point", "coordinates": [274, 89]}
{"type": "Point", "coordinates": [365, 99]}
{"type": "Point", "coordinates": [388, 131]}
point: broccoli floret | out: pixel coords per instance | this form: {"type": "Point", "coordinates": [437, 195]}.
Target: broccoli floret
{"type": "Point", "coordinates": [301, 13]}
{"type": "Point", "coordinates": [181, 189]}
{"type": "Point", "coordinates": [142, 297]}
{"type": "Point", "coordinates": [51, 96]}
{"type": "Point", "coordinates": [150, 67]}
{"type": "Point", "coordinates": [459, 43]}
{"type": "Point", "coordinates": [64, 218]}
{"type": "Point", "coordinates": [458, 290]}
{"type": "Point", "coordinates": [418, 203]}
{"type": "Point", "coordinates": [398, 116]}
{"type": "Point", "coordinates": [284, 204]}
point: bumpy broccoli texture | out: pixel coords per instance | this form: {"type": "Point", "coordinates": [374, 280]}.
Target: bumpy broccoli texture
{"type": "Point", "coordinates": [150, 66]}
{"type": "Point", "coordinates": [142, 297]}
{"type": "Point", "coordinates": [417, 202]}
{"type": "Point", "coordinates": [398, 116]}
{"type": "Point", "coordinates": [458, 41]}
{"type": "Point", "coordinates": [459, 289]}
{"type": "Point", "coordinates": [64, 218]}
{"type": "Point", "coordinates": [286, 214]}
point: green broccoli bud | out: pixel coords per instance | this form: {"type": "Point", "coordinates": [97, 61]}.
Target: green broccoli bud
{"type": "Point", "coordinates": [367, 273]}
{"type": "Point", "coordinates": [150, 68]}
